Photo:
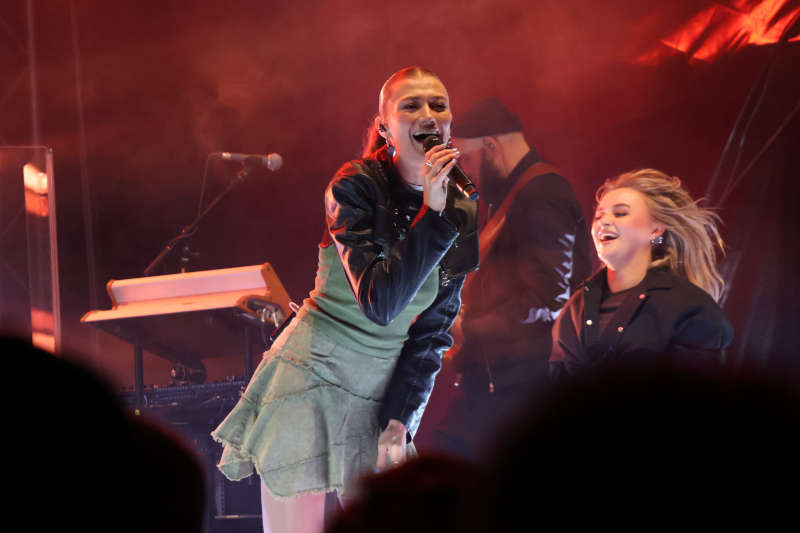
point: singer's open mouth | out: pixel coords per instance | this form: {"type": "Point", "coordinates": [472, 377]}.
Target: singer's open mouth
{"type": "Point", "coordinates": [422, 135]}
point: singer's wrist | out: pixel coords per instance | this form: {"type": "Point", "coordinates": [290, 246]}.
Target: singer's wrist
{"type": "Point", "coordinates": [434, 206]}
{"type": "Point", "coordinates": [437, 205]}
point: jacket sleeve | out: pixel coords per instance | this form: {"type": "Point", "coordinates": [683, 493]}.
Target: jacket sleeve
{"type": "Point", "coordinates": [566, 341]}
{"type": "Point", "coordinates": [544, 222]}
{"type": "Point", "coordinates": [701, 334]}
{"type": "Point", "coordinates": [383, 283]}
{"type": "Point", "coordinates": [421, 358]}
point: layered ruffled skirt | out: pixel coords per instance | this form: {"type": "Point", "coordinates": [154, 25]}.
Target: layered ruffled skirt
{"type": "Point", "coordinates": [308, 420]}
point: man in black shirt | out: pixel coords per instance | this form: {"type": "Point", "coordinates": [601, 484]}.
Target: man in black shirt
{"type": "Point", "coordinates": [535, 250]}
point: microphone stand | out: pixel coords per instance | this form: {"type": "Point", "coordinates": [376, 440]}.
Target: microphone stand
{"type": "Point", "coordinates": [248, 166]}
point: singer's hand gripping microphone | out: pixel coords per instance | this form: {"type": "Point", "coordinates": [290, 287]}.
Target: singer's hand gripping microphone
{"type": "Point", "coordinates": [461, 181]}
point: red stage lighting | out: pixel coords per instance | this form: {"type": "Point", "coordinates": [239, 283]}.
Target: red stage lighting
{"type": "Point", "coordinates": [726, 28]}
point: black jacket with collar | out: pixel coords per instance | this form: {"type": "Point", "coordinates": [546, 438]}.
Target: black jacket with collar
{"type": "Point", "coordinates": [388, 243]}
{"type": "Point", "coordinates": [665, 316]}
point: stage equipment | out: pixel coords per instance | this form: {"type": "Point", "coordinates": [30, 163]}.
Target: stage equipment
{"type": "Point", "coordinates": [249, 164]}
{"type": "Point", "coordinates": [186, 318]}
{"type": "Point", "coordinates": [272, 161]}
{"type": "Point", "coordinates": [192, 412]}
{"type": "Point", "coordinates": [29, 288]}
{"type": "Point", "coordinates": [188, 398]}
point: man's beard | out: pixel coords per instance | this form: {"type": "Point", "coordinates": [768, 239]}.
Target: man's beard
{"type": "Point", "coordinates": [492, 180]}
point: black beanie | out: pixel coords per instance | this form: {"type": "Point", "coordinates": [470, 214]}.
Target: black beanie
{"type": "Point", "coordinates": [484, 118]}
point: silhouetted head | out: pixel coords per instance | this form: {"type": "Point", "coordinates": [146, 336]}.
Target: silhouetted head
{"type": "Point", "coordinates": [432, 494]}
{"type": "Point", "coordinates": [650, 448]}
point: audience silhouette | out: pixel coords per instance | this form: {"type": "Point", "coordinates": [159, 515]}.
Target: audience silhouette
{"type": "Point", "coordinates": [80, 462]}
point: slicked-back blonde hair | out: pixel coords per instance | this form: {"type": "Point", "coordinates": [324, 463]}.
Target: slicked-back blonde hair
{"type": "Point", "coordinates": [372, 139]}
{"type": "Point", "coordinates": [691, 237]}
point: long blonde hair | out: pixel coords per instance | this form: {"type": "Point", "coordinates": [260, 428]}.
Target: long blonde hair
{"type": "Point", "coordinates": [691, 237]}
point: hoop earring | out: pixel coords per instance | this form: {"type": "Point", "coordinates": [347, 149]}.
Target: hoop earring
{"type": "Point", "coordinates": [655, 242]}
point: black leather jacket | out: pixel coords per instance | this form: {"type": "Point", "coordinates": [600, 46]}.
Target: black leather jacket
{"type": "Point", "coordinates": [388, 243]}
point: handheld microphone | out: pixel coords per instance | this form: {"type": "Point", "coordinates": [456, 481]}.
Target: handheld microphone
{"type": "Point", "coordinates": [271, 161]}
{"type": "Point", "coordinates": [461, 181]}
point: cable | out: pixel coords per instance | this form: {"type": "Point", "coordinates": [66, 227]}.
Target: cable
{"type": "Point", "coordinates": [732, 134]}
{"type": "Point", "coordinates": [743, 136]}
{"type": "Point", "coordinates": [763, 149]}
{"type": "Point", "coordinates": [764, 75]}
{"type": "Point", "coordinates": [86, 193]}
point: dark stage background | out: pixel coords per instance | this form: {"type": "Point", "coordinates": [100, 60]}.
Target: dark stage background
{"type": "Point", "coordinates": [132, 96]}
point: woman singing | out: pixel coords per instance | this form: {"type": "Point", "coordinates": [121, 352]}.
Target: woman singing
{"type": "Point", "coordinates": [656, 296]}
{"type": "Point", "coordinates": [342, 390]}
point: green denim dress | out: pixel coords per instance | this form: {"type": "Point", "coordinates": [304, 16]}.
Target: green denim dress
{"type": "Point", "coordinates": [308, 420]}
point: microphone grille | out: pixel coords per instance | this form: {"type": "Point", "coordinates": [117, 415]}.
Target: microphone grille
{"type": "Point", "coordinates": [431, 141]}
{"type": "Point", "coordinates": [274, 161]}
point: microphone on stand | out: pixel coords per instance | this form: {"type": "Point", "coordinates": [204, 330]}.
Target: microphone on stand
{"type": "Point", "coordinates": [271, 161]}
{"type": "Point", "coordinates": [250, 163]}
{"type": "Point", "coordinates": [462, 182]}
